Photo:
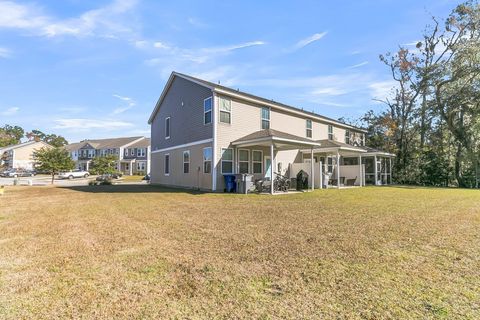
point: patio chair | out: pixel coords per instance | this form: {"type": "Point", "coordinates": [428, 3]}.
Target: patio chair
{"type": "Point", "coordinates": [351, 182]}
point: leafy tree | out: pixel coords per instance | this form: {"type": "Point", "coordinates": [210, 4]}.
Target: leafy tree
{"type": "Point", "coordinates": [53, 160]}
{"type": "Point", "coordinates": [51, 139]}
{"type": "Point", "coordinates": [104, 164]}
{"type": "Point", "coordinates": [10, 135]}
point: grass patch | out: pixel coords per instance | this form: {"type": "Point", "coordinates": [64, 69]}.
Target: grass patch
{"type": "Point", "coordinates": [147, 252]}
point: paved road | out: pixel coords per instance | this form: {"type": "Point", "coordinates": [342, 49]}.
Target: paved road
{"type": "Point", "coordinates": [42, 180]}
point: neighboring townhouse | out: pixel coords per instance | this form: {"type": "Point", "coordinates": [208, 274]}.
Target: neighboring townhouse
{"type": "Point", "coordinates": [20, 156]}
{"type": "Point", "coordinates": [133, 153]}
{"type": "Point", "coordinates": [201, 131]}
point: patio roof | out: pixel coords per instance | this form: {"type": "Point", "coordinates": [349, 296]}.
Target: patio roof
{"type": "Point", "coordinates": [281, 140]}
{"type": "Point", "coordinates": [346, 149]}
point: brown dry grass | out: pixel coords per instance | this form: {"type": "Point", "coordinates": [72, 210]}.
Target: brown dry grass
{"type": "Point", "coordinates": [145, 252]}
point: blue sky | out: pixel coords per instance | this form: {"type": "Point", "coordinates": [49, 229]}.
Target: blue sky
{"type": "Point", "coordinates": [93, 69]}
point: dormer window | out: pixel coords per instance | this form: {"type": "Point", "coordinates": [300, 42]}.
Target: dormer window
{"type": "Point", "coordinates": [347, 136]}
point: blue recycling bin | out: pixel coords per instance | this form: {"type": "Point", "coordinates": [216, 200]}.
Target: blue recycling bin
{"type": "Point", "coordinates": [230, 185]}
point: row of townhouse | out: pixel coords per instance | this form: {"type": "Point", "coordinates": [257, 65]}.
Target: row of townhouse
{"type": "Point", "coordinates": [20, 156]}
{"type": "Point", "coordinates": [133, 153]}
{"type": "Point", "coordinates": [201, 131]}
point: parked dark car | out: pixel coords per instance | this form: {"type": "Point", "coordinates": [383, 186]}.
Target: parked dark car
{"type": "Point", "coordinates": [108, 177]}
{"type": "Point", "coordinates": [15, 173]}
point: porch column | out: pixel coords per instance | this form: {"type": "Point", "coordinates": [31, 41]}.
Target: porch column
{"type": "Point", "coordinates": [360, 177]}
{"type": "Point", "coordinates": [338, 170]}
{"type": "Point", "coordinates": [390, 167]}
{"type": "Point", "coordinates": [87, 166]}
{"type": "Point", "coordinates": [311, 169]}
{"type": "Point", "coordinates": [130, 167]}
{"type": "Point", "coordinates": [271, 168]}
{"type": "Point", "coordinates": [375, 169]}
{"type": "Point", "coordinates": [321, 174]}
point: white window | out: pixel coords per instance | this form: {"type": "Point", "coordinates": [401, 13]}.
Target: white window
{"type": "Point", "coordinates": [207, 160]}
{"type": "Point", "coordinates": [330, 165]}
{"type": "Point", "coordinates": [347, 136]}
{"type": "Point", "coordinates": [141, 166]}
{"type": "Point", "coordinates": [126, 152]}
{"type": "Point", "coordinates": [265, 118]}
{"type": "Point", "coordinates": [186, 161]}
{"type": "Point", "coordinates": [166, 168]}
{"type": "Point", "coordinates": [140, 152]}
{"type": "Point", "coordinates": [257, 162]}
{"type": "Point", "coordinates": [362, 139]}
{"type": "Point", "coordinates": [207, 111]}
{"type": "Point", "coordinates": [225, 110]}
{"type": "Point", "coordinates": [227, 160]}
{"type": "Point", "coordinates": [309, 128]}
{"type": "Point", "coordinates": [330, 132]}
{"type": "Point", "coordinates": [132, 152]}
{"type": "Point", "coordinates": [167, 128]}
{"type": "Point", "coordinates": [243, 161]}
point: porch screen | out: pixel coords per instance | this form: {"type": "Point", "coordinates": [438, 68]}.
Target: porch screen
{"type": "Point", "coordinates": [243, 161]}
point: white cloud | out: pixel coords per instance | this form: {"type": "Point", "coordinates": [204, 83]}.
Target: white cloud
{"type": "Point", "coordinates": [103, 21]}
{"type": "Point", "coordinates": [381, 89]}
{"type": "Point", "coordinates": [304, 42]}
{"type": "Point", "coordinates": [130, 104]}
{"type": "Point", "coordinates": [196, 23]}
{"type": "Point", "coordinates": [85, 124]}
{"type": "Point", "coordinates": [5, 53]}
{"type": "Point", "coordinates": [160, 45]}
{"type": "Point", "coordinates": [10, 111]}
{"type": "Point", "coordinates": [175, 58]}
{"type": "Point", "coordinates": [361, 64]}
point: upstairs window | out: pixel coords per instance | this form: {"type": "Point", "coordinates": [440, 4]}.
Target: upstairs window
{"type": "Point", "coordinates": [167, 128]}
{"type": "Point", "coordinates": [140, 152]}
{"type": "Point", "coordinates": [207, 160]}
{"type": "Point", "coordinates": [227, 160]}
{"type": "Point", "coordinates": [243, 161]}
{"type": "Point", "coordinates": [362, 139]}
{"type": "Point", "coordinates": [207, 111]}
{"type": "Point", "coordinates": [330, 132]}
{"type": "Point", "coordinates": [309, 128]}
{"type": "Point", "coordinates": [125, 152]}
{"type": "Point", "coordinates": [225, 110]}
{"type": "Point", "coordinates": [265, 118]}
{"type": "Point", "coordinates": [186, 161]}
{"type": "Point", "coordinates": [347, 136]}
{"type": "Point", "coordinates": [132, 152]}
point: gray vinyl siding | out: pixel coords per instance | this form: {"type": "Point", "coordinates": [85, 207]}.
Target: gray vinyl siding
{"type": "Point", "coordinates": [186, 122]}
{"type": "Point", "coordinates": [195, 178]}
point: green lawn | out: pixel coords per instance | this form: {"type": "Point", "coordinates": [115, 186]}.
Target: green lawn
{"type": "Point", "coordinates": [144, 252]}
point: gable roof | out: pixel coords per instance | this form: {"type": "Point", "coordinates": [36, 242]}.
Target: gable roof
{"type": "Point", "coordinates": [23, 144]}
{"type": "Point", "coordinates": [245, 96]}
{"type": "Point", "coordinates": [104, 143]}
{"type": "Point", "coordinates": [271, 135]}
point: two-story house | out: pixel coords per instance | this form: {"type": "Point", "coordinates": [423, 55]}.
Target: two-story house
{"type": "Point", "coordinates": [201, 131]}
{"type": "Point", "coordinates": [20, 156]}
{"type": "Point", "coordinates": [133, 153]}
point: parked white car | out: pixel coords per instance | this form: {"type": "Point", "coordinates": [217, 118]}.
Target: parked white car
{"type": "Point", "coordinates": [73, 174]}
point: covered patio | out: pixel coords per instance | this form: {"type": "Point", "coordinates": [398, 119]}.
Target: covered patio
{"type": "Point", "coordinates": [274, 143]}
{"type": "Point", "coordinates": [346, 165]}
